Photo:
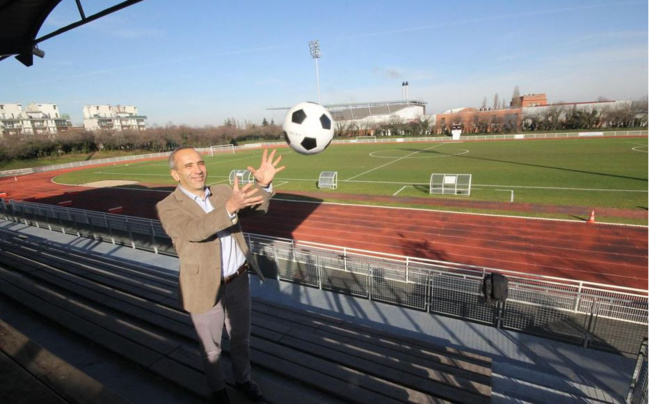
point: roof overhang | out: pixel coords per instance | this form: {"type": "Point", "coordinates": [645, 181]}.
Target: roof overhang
{"type": "Point", "coordinates": [21, 20]}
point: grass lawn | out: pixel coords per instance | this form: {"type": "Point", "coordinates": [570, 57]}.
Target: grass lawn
{"type": "Point", "coordinates": [589, 172]}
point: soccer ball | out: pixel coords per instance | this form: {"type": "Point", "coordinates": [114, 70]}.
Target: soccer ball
{"type": "Point", "coordinates": [308, 128]}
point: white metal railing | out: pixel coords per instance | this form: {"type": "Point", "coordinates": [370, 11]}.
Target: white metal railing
{"type": "Point", "coordinates": [437, 286]}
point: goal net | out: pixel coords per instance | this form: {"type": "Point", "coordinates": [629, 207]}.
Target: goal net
{"type": "Point", "coordinates": [222, 148]}
{"type": "Point", "coordinates": [450, 184]}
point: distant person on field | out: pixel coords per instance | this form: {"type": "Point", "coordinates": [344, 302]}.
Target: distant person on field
{"type": "Point", "coordinates": [203, 224]}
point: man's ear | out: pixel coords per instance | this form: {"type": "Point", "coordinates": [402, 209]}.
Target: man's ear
{"type": "Point", "coordinates": [175, 175]}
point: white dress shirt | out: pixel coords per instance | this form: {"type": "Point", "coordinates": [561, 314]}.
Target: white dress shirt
{"type": "Point", "coordinates": [231, 255]}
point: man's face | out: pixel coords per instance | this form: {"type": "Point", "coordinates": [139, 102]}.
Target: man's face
{"type": "Point", "coordinates": [190, 171]}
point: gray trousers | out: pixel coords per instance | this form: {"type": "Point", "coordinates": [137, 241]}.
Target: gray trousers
{"type": "Point", "coordinates": [233, 312]}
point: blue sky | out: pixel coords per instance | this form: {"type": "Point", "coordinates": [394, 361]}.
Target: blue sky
{"type": "Point", "coordinates": [204, 61]}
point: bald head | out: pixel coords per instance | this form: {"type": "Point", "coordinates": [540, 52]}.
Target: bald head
{"type": "Point", "coordinates": [188, 169]}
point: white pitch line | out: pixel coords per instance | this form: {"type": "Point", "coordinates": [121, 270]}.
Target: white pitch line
{"type": "Point", "coordinates": [399, 159]}
{"type": "Point", "coordinates": [402, 188]}
{"type": "Point", "coordinates": [219, 182]}
{"type": "Point", "coordinates": [563, 188]}
{"type": "Point", "coordinates": [139, 175]}
{"type": "Point", "coordinates": [508, 186]}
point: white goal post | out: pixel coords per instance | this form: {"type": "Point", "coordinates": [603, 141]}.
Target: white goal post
{"type": "Point", "coordinates": [328, 180]}
{"type": "Point", "coordinates": [366, 139]}
{"type": "Point", "coordinates": [222, 148]}
{"type": "Point", "coordinates": [450, 184]}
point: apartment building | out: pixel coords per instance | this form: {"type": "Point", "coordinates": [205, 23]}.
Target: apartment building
{"type": "Point", "coordinates": [113, 118]}
{"type": "Point", "coordinates": [34, 119]}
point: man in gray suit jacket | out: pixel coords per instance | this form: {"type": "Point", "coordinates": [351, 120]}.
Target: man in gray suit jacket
{"type": "Point", "coordinates": [203, 225]}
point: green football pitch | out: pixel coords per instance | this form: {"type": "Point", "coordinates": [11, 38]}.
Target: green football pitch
{"type": "Point", "coordinates": [590, 172]}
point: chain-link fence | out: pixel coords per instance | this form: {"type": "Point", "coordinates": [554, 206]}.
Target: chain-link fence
{"type": "Point", "coordinates": [638, 388]}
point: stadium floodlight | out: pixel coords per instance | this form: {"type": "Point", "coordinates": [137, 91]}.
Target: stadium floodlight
{"type": "Point", "coordinates": [314, 48]}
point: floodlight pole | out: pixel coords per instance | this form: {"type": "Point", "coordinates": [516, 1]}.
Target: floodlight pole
{"type": "Point", "coordinates": [314, 48]}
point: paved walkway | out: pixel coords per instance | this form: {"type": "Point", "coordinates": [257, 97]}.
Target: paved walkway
{"type": "Point", "coordinates": [567, 364]}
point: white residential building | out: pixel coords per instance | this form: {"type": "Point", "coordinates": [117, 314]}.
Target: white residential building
{"type": "Point", "coordinates": [36, 119]}
{"type": "Point", "coordinates": [115, 118]}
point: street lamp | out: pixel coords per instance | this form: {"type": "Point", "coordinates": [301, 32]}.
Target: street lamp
{"type": "Point", "coordinates": [314, 48]}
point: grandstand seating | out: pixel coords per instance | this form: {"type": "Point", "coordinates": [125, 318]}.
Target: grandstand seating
{"type": "Point", "coordinates": [361, 112]}
{"type": "Point", "coordinates": [32, 374]}
{"type": "Point", "coordinates": [300, 356]}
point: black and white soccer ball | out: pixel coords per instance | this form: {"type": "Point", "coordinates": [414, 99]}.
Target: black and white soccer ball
{"type": "Point", "coordinates": [308, 128]}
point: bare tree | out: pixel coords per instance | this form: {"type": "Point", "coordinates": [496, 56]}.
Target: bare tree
{"type": "Point", "coordinates": [496, 124]}
{"type": "Point", "coordinates": [551, 118]}
{"type": "Point", "coordinates": [496, 101]}
{"type": "Point", "coordinates": [342, 128]}
{"type": "Point", "coordinates": [510, 123]}
{"type": "Point", "coordinates": [640, 112]}
{"type": "Point", "coordinates": [619, 116]}
{"type": "Point", "coordinates": [424, 125]}
{"type": "Point", "coordinates": [480, 123]}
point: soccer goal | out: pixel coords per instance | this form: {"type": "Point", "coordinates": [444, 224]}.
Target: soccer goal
{"type": "Point", "coordinates": [222, 148]}
{"type": "Point", "coordinates": [328, 180]}
{"type": "Point", "coordinates": [244, 176]}
{"type": "Point", "coordinates": [366, 139]}
{"type": "Point", "coordinates": [450, 184]}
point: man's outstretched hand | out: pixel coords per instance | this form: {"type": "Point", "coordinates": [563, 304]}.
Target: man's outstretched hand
{"type": "Point", "coordinates": [266, 172]}
{"type": "Point", "coordinates": [242, 198]}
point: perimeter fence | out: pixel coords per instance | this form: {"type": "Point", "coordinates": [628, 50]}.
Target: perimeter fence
{"type": "Point", "coordinates": [639, 381]}
{"type": "Point", "coordinates": [593, 315]}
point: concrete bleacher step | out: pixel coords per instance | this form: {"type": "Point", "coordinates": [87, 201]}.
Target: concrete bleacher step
{"type": "Point", "coordinates": [180, 366]}
{"type": "Point", "coordinates": [31, 374]}
{"type": "Point", "coordinates": [527, 385]}
{"type": "Point", "coordinates": [425, 370]}
{"type": "Point", "coordinates": [303, 356]}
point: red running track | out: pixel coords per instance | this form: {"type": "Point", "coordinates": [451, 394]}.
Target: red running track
{"type": "Point", "coordinates": [600, 253]}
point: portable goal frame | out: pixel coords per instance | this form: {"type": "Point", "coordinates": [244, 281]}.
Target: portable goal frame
{"type": "Point", "coordinates": [328, 180]}
{"type": "Point", "coordinates": [450, 184]}
{"type": "Point", "coordinates": [245, 177]}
